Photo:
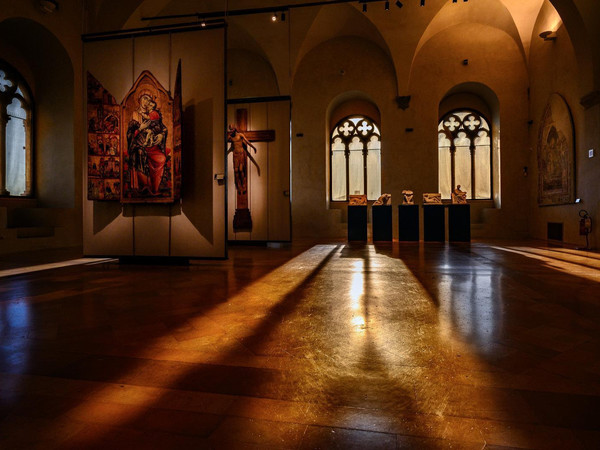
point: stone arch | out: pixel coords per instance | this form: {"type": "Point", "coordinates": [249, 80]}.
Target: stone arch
{"type": "Point", "coordinates": [479, 97]}
{"type": "Point", "coordinates": [342, 20]}
{"type": "Point", "coordinates": [589, 63]}
{"type": "Point", "coordinates": [53, 91]}
{"type": "Point", "coordinates": [250, 75]}
{"type": "Point", "coordinates": [495, 15]}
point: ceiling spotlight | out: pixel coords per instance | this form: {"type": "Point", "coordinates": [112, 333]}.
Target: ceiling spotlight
{"type": "Point", "coordinates": [274, 17]}
{"type": "Point", "coordinates": [387, 6]}
{"type": "Point", "coordinates": [422, 2]}
{"type": "Point", "coordinates": [454, 1]}
{"type": "Point", "coordinates": [399, 4]}
{"type": "Point", "coordinates": [203, 23]}
{"type": "Point", "coordinates": [283, 17]}
{"type": "Point", "coordinates": [364, 7]}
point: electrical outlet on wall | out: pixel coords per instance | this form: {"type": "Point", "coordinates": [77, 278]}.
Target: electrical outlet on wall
{"type": "Point", "coordinates": [591, 153]}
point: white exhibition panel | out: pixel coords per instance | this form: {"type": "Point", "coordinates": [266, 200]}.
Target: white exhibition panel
{"type": "Point", "coordinates": [268, 204]}
{"type": "Point", "coordinates": [195, 226]}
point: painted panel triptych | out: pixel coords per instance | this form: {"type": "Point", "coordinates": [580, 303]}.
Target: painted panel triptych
{"type": "Point", "coordinates": [134, 149]}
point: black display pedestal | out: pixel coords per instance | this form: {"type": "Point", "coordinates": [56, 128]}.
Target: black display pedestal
{"type": "Point", "coordinates": [382, 222]}
{"type": "Point", "coordinates": [459, 223]}
{"type": "Point", "coordinates": [434, 223]}
{"type": "Point", "coordinates": [408, 222]}
{"type": "Point", "coordinates": [357, 223]}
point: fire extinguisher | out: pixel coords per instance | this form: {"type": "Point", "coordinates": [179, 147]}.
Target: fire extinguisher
{"type": "Point", "coordinates": [585, 226]}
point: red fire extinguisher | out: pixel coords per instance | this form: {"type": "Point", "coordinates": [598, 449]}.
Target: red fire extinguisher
{"type": "Point", "coordinates": [585, 226]}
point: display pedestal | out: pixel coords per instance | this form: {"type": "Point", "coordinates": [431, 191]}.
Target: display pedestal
{"type": "Point", "coordinates": [357, 223]}
{"type": "Point", "coordinates": [408, 222]}
{"type": "Point", "coordinates": [382, 222]}
{"type": "Point", "coordinates": [434, 223]}
{"type": "Point", "coordinates": [459, 223]}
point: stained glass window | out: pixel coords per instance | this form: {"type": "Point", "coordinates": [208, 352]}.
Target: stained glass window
{"type": "Point", "coordinates": [465, 156]}
{"type": "Point", "coordinates": [355, 158]}
{"type": "Point", "coordinates": [15, 141]}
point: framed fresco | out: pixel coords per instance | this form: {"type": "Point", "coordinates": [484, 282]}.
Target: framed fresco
{"type": "Point", "coordinates": [556, 154]}
{"type": "Point", "coordinates": [134, 149]}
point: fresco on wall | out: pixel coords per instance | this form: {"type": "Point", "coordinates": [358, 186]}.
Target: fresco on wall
{"type": "Point", "coordinates": [556, 154]}
{"type": "Point", "coordinates": [103, 134]}
{"type": "Point", "coordinates": [134, 149]}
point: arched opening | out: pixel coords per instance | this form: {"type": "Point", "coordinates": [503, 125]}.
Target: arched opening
{"type": "Point", "coordinates": [33, 50]}
{"type": "Point", "coordinates": [469, 142]}
{"type": "Point", "coordinates": [354, 150]}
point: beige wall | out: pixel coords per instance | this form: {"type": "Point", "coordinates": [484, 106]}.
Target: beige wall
{"type": "Point", "coordinates": [555, 69]}
{"type": "Point", "coordinates": [324, 56]}
{"type": "Point", "coordinates": [47, 51]}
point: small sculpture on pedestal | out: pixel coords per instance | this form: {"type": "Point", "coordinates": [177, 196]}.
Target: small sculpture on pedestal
{"type": "Point", "coordinates": [357, 200]}
{"type": "Point", "coordinates": [432, 199]}
{"type": "Point", "coordinates": [384, 199]}
{"type": "Point", "coordinates": [459, 197]}
{"type": "Point", "coordinates": [408, 197]}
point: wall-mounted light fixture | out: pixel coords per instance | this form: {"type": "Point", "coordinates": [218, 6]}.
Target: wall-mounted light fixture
{"type": "Point", "coordinates": [548, 35]}
{"type": "Point", "coordinates": [48, 6]}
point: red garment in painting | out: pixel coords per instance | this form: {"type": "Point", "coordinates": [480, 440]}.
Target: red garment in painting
{"type": "Point", "coordinates": [156, 166]}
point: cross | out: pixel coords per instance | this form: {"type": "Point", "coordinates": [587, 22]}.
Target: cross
{"type": "Point", "coordinates": [451, 123]}
{"type": "Point", "coordinates": [471, 123]}
{"type": "Point", "coordinates": [364, 127]}
{"type": "Point", "coordinates": [241, 123]}
{"type": "Point", "coordinates": [242, 219]}
{"type": "Point", "coordinates": [346, 129]}
{"type": "Point", "coordinates": [4, 82]}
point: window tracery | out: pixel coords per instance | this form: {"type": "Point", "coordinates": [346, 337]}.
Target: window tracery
{"type": "Point", "coordinates": [355, 158]}
{"type": "Point", "coordinates": [464, 144]}
{"type": "Point", "coordinates": [15, 134]}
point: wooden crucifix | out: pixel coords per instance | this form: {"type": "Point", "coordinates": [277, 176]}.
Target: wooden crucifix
{"type": "Point", "coordinates": [241, 138]}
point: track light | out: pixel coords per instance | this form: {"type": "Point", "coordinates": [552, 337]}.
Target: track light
{"type": "Point", "coordinates": [274, 17]}
{"type": "Point", "coordinates": [364, 7]}
{"type": "Point", "coordinates": [387, 6]}
{"type": "Point", "coordinates": [283, 17]}
{"type": "Point", "coordinates": [203, 23]}
{"type": "Point", "coordinates": [399, 4]}
{"type": "Point", "coordinates": [454, 1]}
{"type": "Point", "coordinates": [422, 2]}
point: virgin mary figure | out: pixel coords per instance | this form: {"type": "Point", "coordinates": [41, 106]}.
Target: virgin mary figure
{"type": "Point", "coordinates": [146, 140]}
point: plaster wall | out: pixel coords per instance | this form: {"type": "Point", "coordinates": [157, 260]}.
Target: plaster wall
{"type": "Point", "coordinates": [409, 158]}
{"type": "Point", "coordinates": [555, 69]}
{"type": "Point", "coordinates": [46, 49]}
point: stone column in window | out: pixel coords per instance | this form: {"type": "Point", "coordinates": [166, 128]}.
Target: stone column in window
{"type": "Point", "coordinates": [27, 123]}
{"type": "Point", "coordinates": [452, 164]}
{"type": "Point", "coordinates": [473, 178]}
{"type": "Point", "coordinates": [3, 121]}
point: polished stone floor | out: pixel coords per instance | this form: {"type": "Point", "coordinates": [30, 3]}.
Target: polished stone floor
{"type": "Point", "coordinates": [489, 345]}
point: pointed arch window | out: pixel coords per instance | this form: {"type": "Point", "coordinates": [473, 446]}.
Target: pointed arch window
{"type": "Point", "coordinates": [355, 158]}
{"type": "Point", "coordinates": [16, 118]}
{"type": "Point", "coordinates": [465, 156]}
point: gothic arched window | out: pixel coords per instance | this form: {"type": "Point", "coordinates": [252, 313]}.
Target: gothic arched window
{"type": "Point", "coordinates": [465, 155]}
{"type": "Point", "coordinates": [15, 133]}
{"type": "Point", "coordinates": [355, 158]}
